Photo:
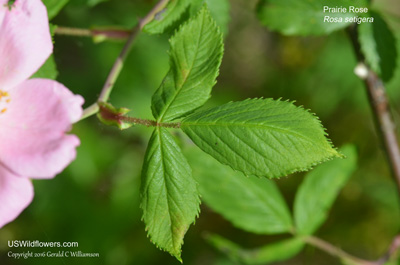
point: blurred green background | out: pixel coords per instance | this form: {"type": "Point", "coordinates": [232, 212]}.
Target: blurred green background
{"type": "Point", "coordinates": [95, 201]}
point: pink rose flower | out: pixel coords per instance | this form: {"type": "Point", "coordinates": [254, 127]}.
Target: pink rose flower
{"type": "Point", "coordinates": [35, 114]}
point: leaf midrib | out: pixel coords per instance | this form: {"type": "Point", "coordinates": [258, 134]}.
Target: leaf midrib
{"type": "Point", "coordinates": [186, 77]}
{"type": "Point", "coordinates": [166, 189]}
{"type": "Point", "coordinates": [260, 126]}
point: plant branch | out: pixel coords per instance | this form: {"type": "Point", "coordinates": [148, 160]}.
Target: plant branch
{"type": "Point", "coordinates": [119, 62]}
{"type": "Point", "coordinates": [381, 108]}
{"type": "Point", "coordinates": [73, 32]}
{"type": "Point", "coordinates": [110, 115]}
{"type": "Point", "coordinates": [149, 123]}
{"type": "Point", "coordinates": [392, 253]}
{"type": "Point", "coordinates": [336, 252]}
{"type": "Point", "coordinates": [104, 33]}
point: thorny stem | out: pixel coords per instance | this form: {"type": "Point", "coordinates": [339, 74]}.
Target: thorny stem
{"type": "Point", "coordinates": [381, 108]}
{"type": "Point", "coordinates": [119, 62]}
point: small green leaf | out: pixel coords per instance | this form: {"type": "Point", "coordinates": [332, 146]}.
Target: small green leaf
{"type": "Point", "coordinates": [169, 196]}
{"type": "Point", "coordinates": [54, 7]}
{"type": "Point", "coordinates": [320, 189]}
{"type": "Point", "coordinates": [261, 137]}
{"type": "Point", "coordinates": [304, 17]}
{"type": "Point", "coordinates": [167, 16]}
{"type": "Point", "coordinates": [378, 45]}
{"type": "Point", "coordinates": [252, 204]}
{"type": "Point", "coordinates": [275, 252]}
{"type": "Point", "coordinates": [195, 57]}
{"type": "Point", "coordinates": [48, 70]}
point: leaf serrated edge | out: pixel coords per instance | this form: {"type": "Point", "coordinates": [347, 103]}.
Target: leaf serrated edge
{"type": "Point", "coordinates": [335, 153]}
{"type": "Point", "coordinates": [177, 255]}
{"type": "Point", "coordinates": [185, 8]}
{"type": "Point", "coordinates": [220, 54]}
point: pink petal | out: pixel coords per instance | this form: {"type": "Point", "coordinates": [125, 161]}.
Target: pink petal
{"type": "Point", "coordinates": [33, 125]}
{"type": "Point", "coordinates": [16, 193]}
{"type": "Point", "coordinates": [25, 41]}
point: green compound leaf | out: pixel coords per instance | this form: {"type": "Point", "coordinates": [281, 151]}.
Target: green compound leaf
{"type": "Point", "coordinates": [304, 17]}
{"type": "Point", "coordinates": [167, 16]}
{"type": "Point", "coordinates": [320, 189]}
{"type": "Point", "coordinates": [378, 45]}
{"type": "Point", "coordinates": [54, 7]}
{"type": "Point", "coordinates": [252, 204]}
{"type": "Point", "coordinates": [275, 252]}
{"type": "Point", "coordinates": [195, 57]}
{"type": "Point", "coordinates": [261, 137]}
{"type": "Point", "coordinates": [169, 196]}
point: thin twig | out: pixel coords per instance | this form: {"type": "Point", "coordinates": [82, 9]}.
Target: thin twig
{"type": "Point", "coordinates": [106, 33]}
{"type": "Point", "coordinates": [336, 252]}
{"type": "Point", "coordinates": [118, 116]}
{"type": "Point", "coordinates": [73, 31]}
{"type": "Point", "coordinates": [149, 123]}
{"type": "Point", "coordinates": [379, 101]}
{"type": "Point", "coordinates": [119, 62]}
{"type": "Point", "coordinates": [381, 108]}
{"type": "Point", "coordinates": [384, 123]}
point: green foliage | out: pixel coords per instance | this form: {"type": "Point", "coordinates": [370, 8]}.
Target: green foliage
{"type": "Point", "coordinates": [195, 57]}
{"type": "Point", "coordinates": [102, 215]}
{"type": "Point", "coordinates": [303, 17]}
{"type": "Point", "coordinates": [260, 137]}
{"type": "Point", "coordinates": [176, 12]}
{"type": "Point", "coordinates": [275, 252]}
{"type": "Point", "coordinates": [252, 204]}
{"type": "Point", "coordinates": [378, 45]}
{"type": "Point", "coordinates": [312, 203]}
{"type": "Point", "coordinates": [320, 189]}
{"type": "Point", "coordinates": [167, 16]}
{"type": "Point", "coordinates": [169, 196]}
{"type": "Point", "coordinates": [54, 7]}
{"type": "Point", "coordinates": [47, 70]}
